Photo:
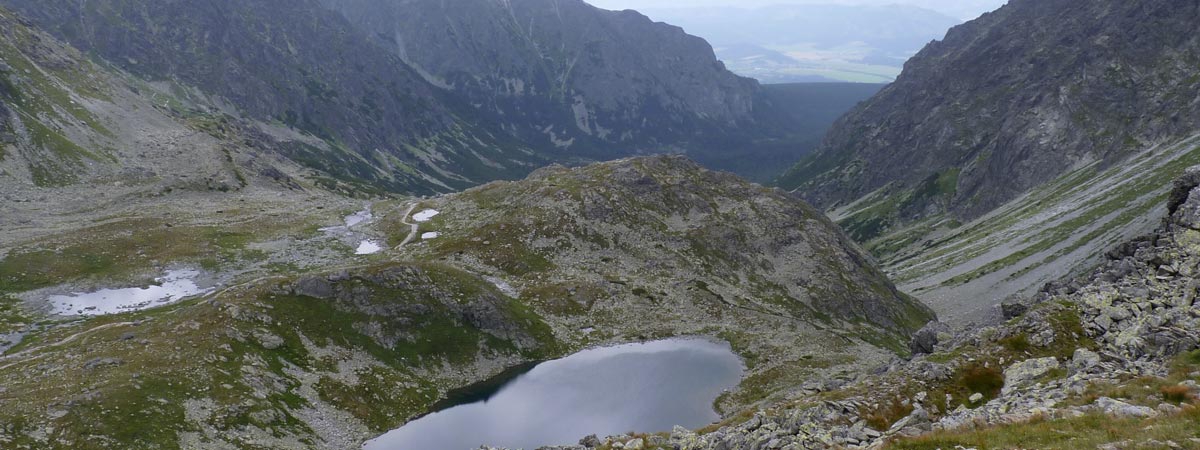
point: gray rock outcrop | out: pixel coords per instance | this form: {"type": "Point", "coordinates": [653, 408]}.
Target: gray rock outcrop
{"type": "Point", "coordinates": [926, 339]}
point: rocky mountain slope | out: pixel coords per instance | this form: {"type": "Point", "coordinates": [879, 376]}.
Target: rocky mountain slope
{"type": "Point", "coordinates": [306, 68]}
{"type": "Point", "coordinates": [300, 343]}
{"type": "Point", "coordinates": [641, 223]}
{"type": "Point", "coordinates": [1061, 229]}
{"type": "Point", "coordinates": [80, 136]}
{"type": "Point", "coordinates": [1110, 360]}
{"type": "Point", "coordinates": [563, 70]}
{"type": "Point", "coordinates": [586, 82]}
{"type": "Point", "coordinates": [423, 97]}
{"type": "Point", "coordinates": [1008, 102]}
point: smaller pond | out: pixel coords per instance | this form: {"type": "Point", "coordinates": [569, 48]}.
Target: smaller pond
{"type": "Point", "coordinates": [351, 221]}
{"type": "Point", "coordinates": [359, 217]}
{"type": "Point", "coordinates": [352, 236]}
{"type": "Point", "coordinates": [172, 287]}
{"type": "Point", "coordinates": [647, 387]}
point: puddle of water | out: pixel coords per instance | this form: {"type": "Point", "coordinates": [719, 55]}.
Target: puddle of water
{"type": "Point", "coordinates": [426, 215]}
{"type": "Point", "coordinates": [358, 217]}
{"type": "Point", "coordinates": [10, 340]}
{"type": "Point", "coordinates": [174, 286]}
{"type": "Point", "coordinates": [368, 248]}
{"type": "Point", "coordinates": [348, 235]}
{"type": "Point", "coordinates": [647, 387]}
{"type": "Point", "coordinates": [351, 221]}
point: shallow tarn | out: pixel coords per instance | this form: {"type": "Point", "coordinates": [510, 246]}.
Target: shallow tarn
{"type": "Point", "coordinates": [350, 233]}
{"type": "Point", "coordinates": [647, 387]}
{"type": "Point", "coordinates": [172, 287]}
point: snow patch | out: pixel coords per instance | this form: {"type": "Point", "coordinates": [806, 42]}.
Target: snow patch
{"type": "Point", "coordinates": [368, 248]}
{"type": "Point", "coordinates": [430, 235]}
{"type": "Point", "coordinates": [426, 215]}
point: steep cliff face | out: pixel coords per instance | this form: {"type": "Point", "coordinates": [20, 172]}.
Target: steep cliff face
{"type": "Point", "coordinates": [1008, 102]}
{"type": "Point", "coordinates": [563, 72]}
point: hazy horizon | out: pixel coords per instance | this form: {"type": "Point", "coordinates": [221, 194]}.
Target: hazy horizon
{"type": "Point", "coordinates": [863, 41]}
{"type": "Point", "coordinates": [960, 9]}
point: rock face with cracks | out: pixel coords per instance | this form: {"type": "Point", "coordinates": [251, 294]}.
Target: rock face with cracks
{"type": "Point", "coordinates": [1010, 101]}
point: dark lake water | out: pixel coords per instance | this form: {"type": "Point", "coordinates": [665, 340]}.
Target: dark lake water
{"type": "Point", "coordinates": [645, 387]}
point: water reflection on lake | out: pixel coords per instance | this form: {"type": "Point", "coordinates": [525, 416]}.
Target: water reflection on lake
{"type": "Point", "coordinates": [646, 387]}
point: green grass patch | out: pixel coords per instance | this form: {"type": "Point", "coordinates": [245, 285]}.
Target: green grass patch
{"type": "Point", "coordinates": [1018, 343]}
{"type": "Point", "coordinates": [149, 417]}
{"type": "Point", "coordinates": [124, 249]}
{"type": "Point", "coordinates": [492, 244]}
{"type": "Point", "coordinates": [1089, 431]}
{"type": "Point", "coordinates": [981, 379]}
{"type": "Point", "coordinates": [12, 315]}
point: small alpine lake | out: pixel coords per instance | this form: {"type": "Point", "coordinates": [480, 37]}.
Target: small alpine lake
{"type": "Point", "coordinates": [170, 288]}
{"type": "Point", "coordinates": [644, 387]}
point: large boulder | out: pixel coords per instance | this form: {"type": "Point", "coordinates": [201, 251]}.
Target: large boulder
{"type": "Point", "coordinates": [925, 340]}
{"type": "Point", "coordinates": [1121, 409]}
{"type": "Point", "coordinates": [1083, 360]}
{"type": "Point", "coordinates": [1184, 203]}
{"type": "Point", "coordinates": [1012, 309]}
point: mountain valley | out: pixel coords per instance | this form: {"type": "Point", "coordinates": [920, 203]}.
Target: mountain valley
{"type": "Point", "coordinates": [304, 224]}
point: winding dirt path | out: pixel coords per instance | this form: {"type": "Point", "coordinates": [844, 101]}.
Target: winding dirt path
{"type": "Point", "coordinates": [412, 234]}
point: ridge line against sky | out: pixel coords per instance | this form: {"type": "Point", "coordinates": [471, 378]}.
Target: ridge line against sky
{"type": "Point", "coordinates": [961, 9]}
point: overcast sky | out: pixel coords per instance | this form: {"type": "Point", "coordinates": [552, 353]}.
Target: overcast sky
{"type": "Point", "coordinates": [962, 9]}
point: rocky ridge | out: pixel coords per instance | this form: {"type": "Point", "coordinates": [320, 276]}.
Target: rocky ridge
{"type": "Point", "coordinates": [588, 83]}
{"type": "Point", "coordinates": [1118, 346]}
{"type": "Point", "coordinates": [563, 71]}
{"type": "Point", "coordinates": [657, 247]}
{"type": "Point", "coordinates": [392, 102]}
{"type": "Point", "coordinates": [663, 216]}
{"type": "Point", "coordinates": [1008, 102]}
{"type": "Point", "coordinates": [306, 68]}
